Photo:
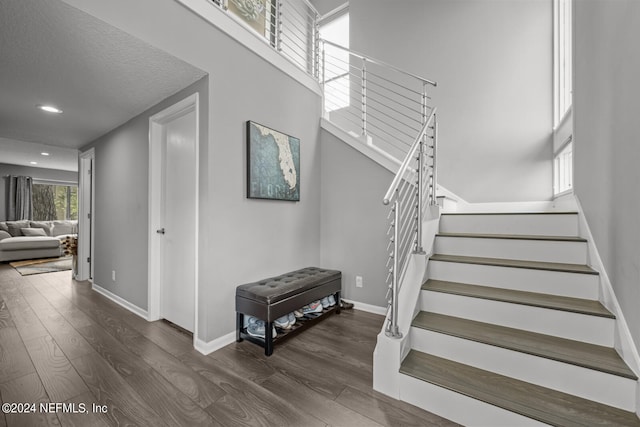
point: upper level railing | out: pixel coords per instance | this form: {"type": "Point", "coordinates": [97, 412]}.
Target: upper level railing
{"type": "Point", "coordinates": [376, 101]}
{"type": "Point", "coordinates": [289, 26]}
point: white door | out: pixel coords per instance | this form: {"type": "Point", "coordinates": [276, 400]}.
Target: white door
{"type": "Point", "coordinates": [85, 216]}
{"type": "Point", "coordinates": [178, 221]}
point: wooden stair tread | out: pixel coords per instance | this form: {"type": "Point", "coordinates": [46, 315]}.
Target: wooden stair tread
{"type": "Point", "coordinates": [500, 262]}
{"type": "Point", "coordinates": [536, 402]}
{"type": "Point", "coordinates": [590, 356]}
{"type": "Point", "coordinates": [554, 302]}
{"type": "Point", "coordinates": [515, 237]}
{"type": "Point", "coordinates": [510, 213]}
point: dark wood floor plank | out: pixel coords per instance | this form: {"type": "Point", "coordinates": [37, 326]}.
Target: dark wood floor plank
{"type": "Point", "coordinates": [59, 378]}
{"type": "Point", "coordinates": [185, 379]}
{"type": "Point", "coordinates": [88, 419]}
{"type": "Point", "coordinates": [166, 337]}
{"type": "Point", "coordinates": [385, 413]}
{"type": "Point", "coordinates": [3, 420]}
{"type": "Point", "coordinates": [124, 405]}
{"type": "Point", "coordinates": [266, 409]}
{"type": "Point", "coordinates": [173, 406]}
{"type": "Point", "coordinates": [27, 389]}
{"type": "Point", "coordinates": [14, 358]}
{"type": "Point", "coordinates": [116, 354]}
{"type": "Point", "coordinates": [326, 410]}
{"type": "Point", "coordinates": [25, 320]}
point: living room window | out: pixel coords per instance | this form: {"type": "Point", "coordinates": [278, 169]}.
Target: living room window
{"type": "Point", "coordinates": [54, 201]}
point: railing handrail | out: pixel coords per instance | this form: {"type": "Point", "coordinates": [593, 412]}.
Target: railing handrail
{"type": "Point", "coordinates": [391, 192]}
{"type": "Point", "coordinates": [379, 62]}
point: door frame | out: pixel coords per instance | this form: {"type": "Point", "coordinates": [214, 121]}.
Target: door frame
{"type": "Point", "coordinates": [86, 227]}
{"type": "Point", "coordinates": [157, 125]}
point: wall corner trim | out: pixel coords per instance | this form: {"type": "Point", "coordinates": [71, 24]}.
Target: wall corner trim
{"type": "Point", "coordinates": [120, 301]}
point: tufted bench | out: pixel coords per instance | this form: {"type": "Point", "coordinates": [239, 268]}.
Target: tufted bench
{"type": "Point", "coordinates": [272, 298]}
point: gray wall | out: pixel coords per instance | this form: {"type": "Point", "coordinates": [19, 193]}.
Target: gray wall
{"type": "Point", "coordinates": [606, 149]}
{"type": "Point", "coordinates": [122, 200]}
{"type": "Point", "coordinates": [353, 219]}
{"type": "Point", "coordinates": [325, 6]}
{"type": "Point", "coordinates": [39, 173]}
{"type": "Point", "coordinates": [241, 240]}
{"type": "Point", "coordinates": [492, 60]}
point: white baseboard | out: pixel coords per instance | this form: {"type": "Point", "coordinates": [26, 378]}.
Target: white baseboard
{"type": "Point", "coordinates": [120, 301]}
{"type": "Point", "coordinates": [205, 347]}
{"type": "Point", "coordinates": [367, 307]}
{"type": "Point", "coordinates": [624, 342]}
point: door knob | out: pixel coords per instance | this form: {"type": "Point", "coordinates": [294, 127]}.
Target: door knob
{"type": "Point", "coordinates": [160, 231]}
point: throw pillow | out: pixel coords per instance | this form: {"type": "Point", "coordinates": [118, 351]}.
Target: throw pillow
{"type": "Point", "coordinates": [3, 227]}
{"type": "Point", "coordinates": [15, 227]}
{"type": "Point", "coordinates": [61, 227]}
{"type": "Point", "coordinates": [33, 232]}
{"type": "Point", "coordinates": [45, 225]}
{"type": "Point", "coordinates": [4, 235]}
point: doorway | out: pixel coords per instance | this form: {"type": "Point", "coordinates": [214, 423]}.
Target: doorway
{"type": "Point", "coordinates": [173, 214]}
{"type": "Point", "coordinates": [85, 215]}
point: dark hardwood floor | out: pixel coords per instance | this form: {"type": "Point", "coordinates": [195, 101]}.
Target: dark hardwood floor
{"type": "Point", "coordinates": [60, 342]}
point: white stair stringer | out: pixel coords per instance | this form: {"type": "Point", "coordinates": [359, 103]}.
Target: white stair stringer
{"type": "Point", "coordinates": [570, 252]}
{"type": "Point", "coordinates": [560, 283]}
{"type": "Point", "coordinates": [612, 390]}
{"type": "Point", "coordinates": [564, 324]}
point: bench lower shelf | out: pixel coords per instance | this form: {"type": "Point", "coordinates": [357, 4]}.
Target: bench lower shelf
{"type": "Point", "coordinates": [284, 334]}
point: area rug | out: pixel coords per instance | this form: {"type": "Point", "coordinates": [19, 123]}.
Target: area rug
{"type": "Point", "coordinates": [38, 266]}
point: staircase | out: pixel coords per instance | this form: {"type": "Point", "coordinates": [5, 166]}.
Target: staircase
{"type": "Point", "coordinates": [509, 330]}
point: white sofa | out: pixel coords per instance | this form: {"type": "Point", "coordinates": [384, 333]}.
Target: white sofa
{"type": "Point", "coordinates": [20, 240]}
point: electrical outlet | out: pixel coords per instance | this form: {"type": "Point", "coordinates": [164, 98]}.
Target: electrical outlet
{"type": "Point", "coordinates": [113, 275]}
{"type": "Point", "coordinates": [359, 283]}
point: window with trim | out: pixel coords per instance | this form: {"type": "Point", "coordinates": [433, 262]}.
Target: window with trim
{"type": "Point", "coordinates": [562, 97]}
{"type": "Point", "coordinates": [54, 201]}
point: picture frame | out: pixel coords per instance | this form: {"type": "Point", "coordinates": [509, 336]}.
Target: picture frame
{"type": "Point", "coordinates": [273, 164]}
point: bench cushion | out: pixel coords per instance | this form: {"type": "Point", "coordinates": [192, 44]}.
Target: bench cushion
{"type": "Point", "coordinates": [31, 242]}
{"type": "Point", "coordinates": [269, 291]}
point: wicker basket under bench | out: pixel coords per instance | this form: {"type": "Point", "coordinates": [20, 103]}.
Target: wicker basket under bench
{"type": "Point", "coordinates": [272, 298]}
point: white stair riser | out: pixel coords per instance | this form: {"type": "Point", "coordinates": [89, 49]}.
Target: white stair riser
{"type": "Point", "coordinates": [458, 407]}
{"type": "Point", "coordinates": [586, 383]}
{"type": "Point", "coordinates": [522, 279]}
{"type": "Point", "coordinates": [529, 250]}
{"type": "Point", "coordinates": [574, 326]}
{"type": "Point", "coordinates": [534, 224]}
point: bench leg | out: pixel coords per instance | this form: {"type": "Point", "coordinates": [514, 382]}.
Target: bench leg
{"type": "Point", "coordinates": [268, 339]}
{"type": "Point", "coordinates": [239, 325]}
{"type": "Point", "coordinates": [337, 297]}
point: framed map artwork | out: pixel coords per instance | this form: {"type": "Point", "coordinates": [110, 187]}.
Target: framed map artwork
{"type": "Point", "coordinates": [273, 164]}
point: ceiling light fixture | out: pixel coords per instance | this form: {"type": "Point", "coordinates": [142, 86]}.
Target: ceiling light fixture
{"type": "Point", "coordinates": [44, 154]}
{"type": "Point", "coordinates": [49, 109]}
{"type": "Point", "coordinates": [34, 163]}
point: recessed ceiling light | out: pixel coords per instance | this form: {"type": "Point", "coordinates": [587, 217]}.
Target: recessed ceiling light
{"type": "Point", "coordinates": [50, 109]}
{"type": "Point", "coordinates": [34, 163]}
{"type": "Point", "coordinates": [44, 154]}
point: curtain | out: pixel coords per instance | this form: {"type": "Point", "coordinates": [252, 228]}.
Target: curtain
{"type": "Point", "coordinates": [19, 204]}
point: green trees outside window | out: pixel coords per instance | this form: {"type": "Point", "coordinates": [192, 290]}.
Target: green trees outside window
{"type": "Point", "coordinates": [54, 202]}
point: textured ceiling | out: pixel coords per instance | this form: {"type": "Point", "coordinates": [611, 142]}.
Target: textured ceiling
{"type": "Point", "coordinates": [97, 74]}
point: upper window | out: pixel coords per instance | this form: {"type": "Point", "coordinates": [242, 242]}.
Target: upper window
{"type": "Point", "coordinates": [54, 202]}
{"type": "Point", "coordinates": [336, 63]}
{"type": "Point", "coordinates": [562, 73]}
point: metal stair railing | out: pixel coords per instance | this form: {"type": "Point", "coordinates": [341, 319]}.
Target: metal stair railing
{"type": "Point", "coordinates": [412, 190]}
{"type": "Point", "coordinates": [373, 100]}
